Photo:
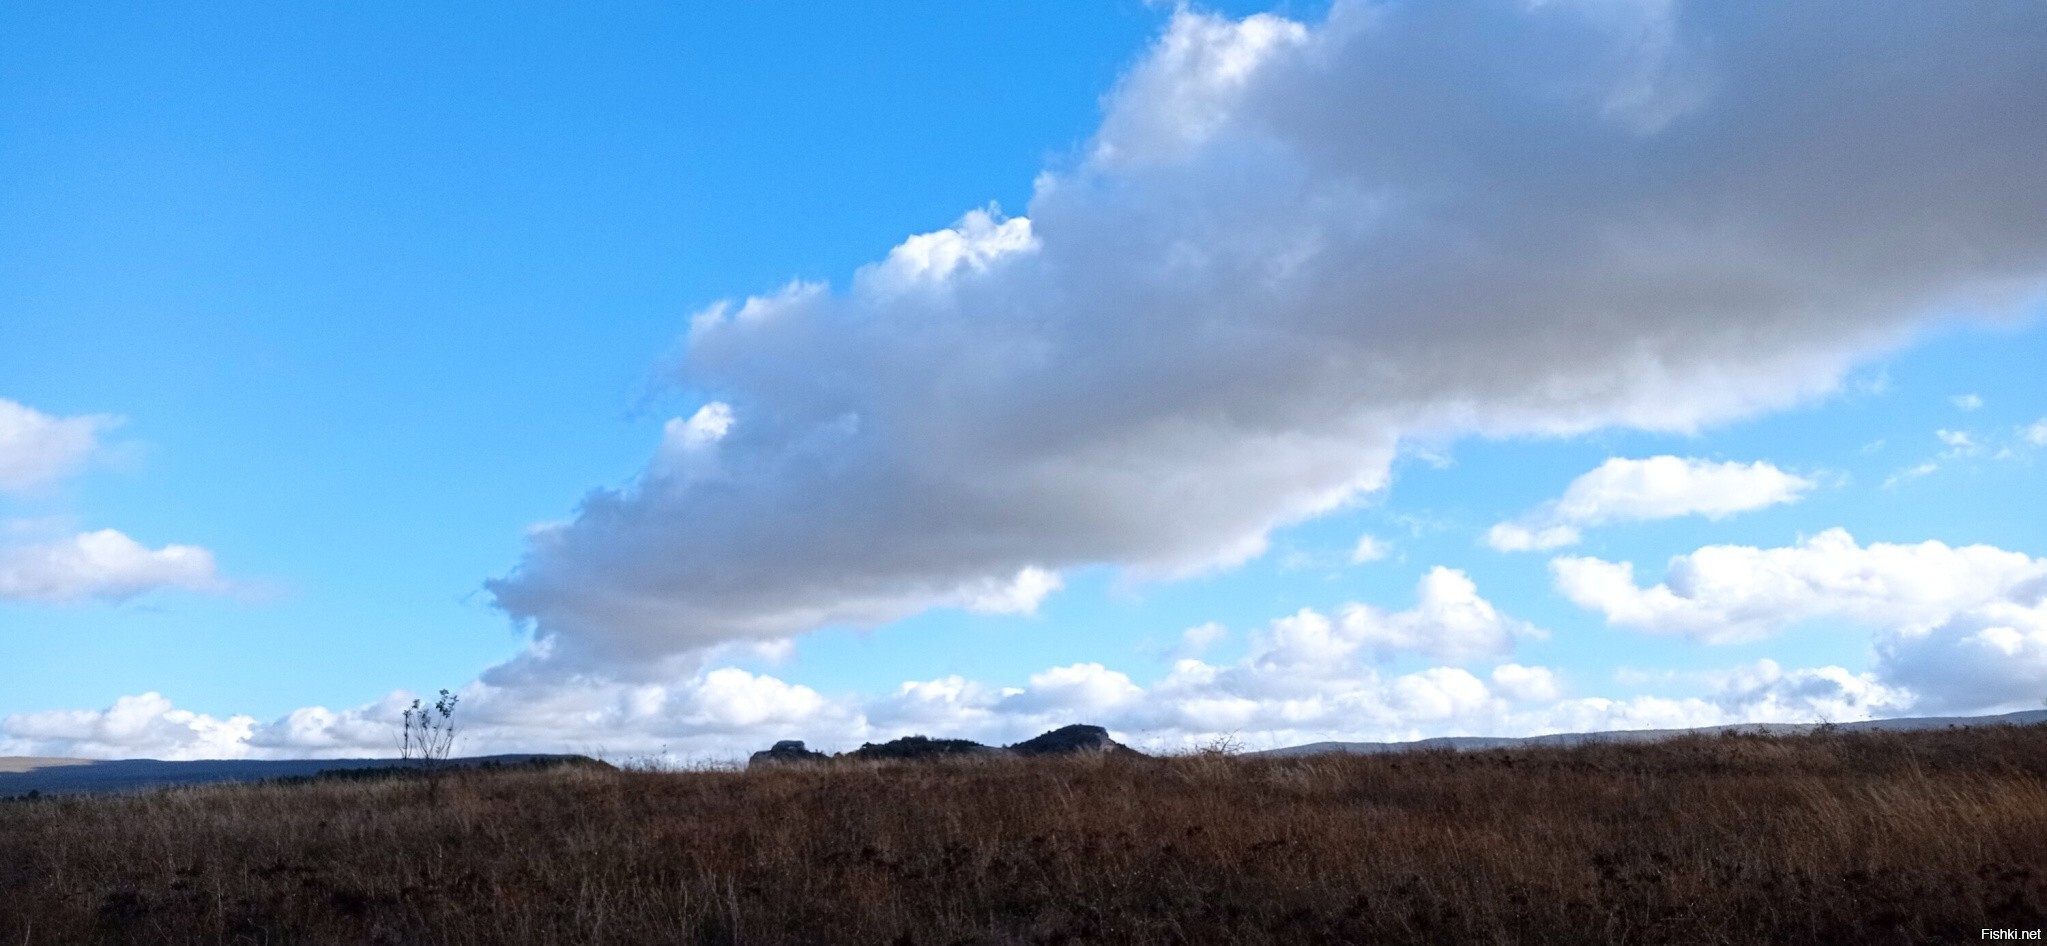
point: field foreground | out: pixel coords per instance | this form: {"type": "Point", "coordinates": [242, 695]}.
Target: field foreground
{"type": "Point", "coordinates": [1823, 838]}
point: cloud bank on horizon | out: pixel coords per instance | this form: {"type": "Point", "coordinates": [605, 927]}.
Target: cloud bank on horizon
{"type": "Point", "coordinates": [1287, 248]}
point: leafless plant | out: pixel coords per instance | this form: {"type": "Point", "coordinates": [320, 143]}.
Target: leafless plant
{"type": "Point", "coordinates": [429, 731]}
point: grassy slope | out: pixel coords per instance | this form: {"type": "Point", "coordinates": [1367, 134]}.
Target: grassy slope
{"type": "Point", "coordinates": [1834, 837]}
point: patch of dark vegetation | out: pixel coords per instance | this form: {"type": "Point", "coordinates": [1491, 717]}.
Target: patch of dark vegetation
{"type": "Point", "coordinates": [1830, 837]}
{"type": "Point", "coordinates": [786, 752]}
{"type": "Point", "coordinates": [1067, 740]}
{"type": "Point", "coordinates": [414, 771]}
{"type": "Point", "coordinates": [918, 747]}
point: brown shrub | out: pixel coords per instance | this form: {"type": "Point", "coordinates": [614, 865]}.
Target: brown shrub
{"type": "Point", "coordinates": [1834, 837]}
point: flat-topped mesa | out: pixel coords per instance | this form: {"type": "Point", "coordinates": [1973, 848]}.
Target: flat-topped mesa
{"type": "Point", "coordinates": [1076, 739]}
{"type": "Point", "coordinates": [786, 752]}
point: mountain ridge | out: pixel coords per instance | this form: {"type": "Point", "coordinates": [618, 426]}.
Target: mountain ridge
{"type": "Point", "coordinates": [1476, 743]}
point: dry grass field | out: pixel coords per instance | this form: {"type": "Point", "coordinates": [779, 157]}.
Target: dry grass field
{"type": "Point", "coordinates": [1828, 838]}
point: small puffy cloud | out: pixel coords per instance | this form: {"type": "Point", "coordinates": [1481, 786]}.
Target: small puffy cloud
{"type": "Point", "coordinates": [703, 428]}
{"type": "Point", "coordinates": [730, 699]}
{"type": "Point", "coordinates": [1726, 593]}
{"type": "Point", "coordinates": [1662, 487]}
{"type": "Point", "coordinates": [688, 449]}
{"type": "Point", "coordinates": [1525, 684]}
{"type": "Point", "coordinates": [144, 726]}
{"type": "Point", "coordinates": [1196, 640]}
{"type": "Point", "coordinates": [1957, 441]}
{"type": "Point", "coordinates": [1449, 621]}
{"type": "Point", "coordinates": [947, 704]}
{"type": "Point", "coordinates": [1370, 548]}
{"type": "Point", "coordinates": [104, 565]}
{"type": "Point", "coordinates": [1080, 691]}
{"type": "Point", "coordinates": [1514, 537]}
{"type": "Point", "coordinates": [980, 240]}
{"type": "Point", "coordinates": [1666, 486]}
{"type": "Point", "coordinates": [1276, 261]}
{"type": "Point", "coordinates": [2035, 433]}
{"type": "Point", "coordinates": [1019, 595]}
{"type": "Point", "coordinates": [1439, 693]}
{"type": "Point", "coordinates": [37, 449]}
{"type": "Point", "coordinates": [1966, 402]}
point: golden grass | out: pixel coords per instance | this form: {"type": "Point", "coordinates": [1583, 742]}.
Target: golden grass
{"type": "Point", "coordinates": [1834, 837]}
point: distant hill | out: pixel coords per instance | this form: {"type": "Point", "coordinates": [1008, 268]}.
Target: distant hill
{"type": "Point", "coordinates": [1066, 740]}
{"type": "Point", "coordinates": [2022, 718]}
{"type": "Point", "coordinates": [20, 775]}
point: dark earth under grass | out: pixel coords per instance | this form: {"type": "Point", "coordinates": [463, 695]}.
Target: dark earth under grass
{"type": "Point", "coordinates": [1832, 837]}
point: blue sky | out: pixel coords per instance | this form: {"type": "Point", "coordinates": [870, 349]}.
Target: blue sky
{"type": "Point", "coordinates": [338, 316]}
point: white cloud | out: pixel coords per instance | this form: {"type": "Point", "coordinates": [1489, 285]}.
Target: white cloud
{"type": "Point", "coordinates": [703, 428]}
{"type": "Point", "coordinates": [1513, 537]}
{"type": "Point", "coordinates": [1664, 487]}
{"type": "Point", "coordinates": [1289, 247]}
{"type": "Point", "coordinates": [1766, 691]}
{"type": "Point", "coordinates": [1660, 487]}
{"type": "Point", "coordinates": [1370, 548]}
{"type": "Point", "coordinates": [726, 713]}
{"type": "Point", "coordinates": [1962, 444]}
{"type": "Point", "coordinates": [1081, 691]}
{"type": "Point", "coordinates": [104, 565]}
{"type": "Point", "coordinates": [926, 261]}
{"type": "Point", "coordinates": [1019, 595]}
{"type": "Point", "coordinates": [1449, 621]}
{"type": "Point", "coordinates": [1993, 655]}
{"type": "Point", "coordinates": [1725, 593]}
{"type": "Point", "coordinates": [145, 726]}
{"type": "Point", "coordinates": [37, 449]}
{"type": "Point", "coordinates": [1526, 684]}
{"type": "Point", "coordinates": [1910, 473]}
{"type": "Point", "coordinates": [1306, 678]}
{"type": "Point", "coordinates": [1196, 640]}
{"type": "Point", "coordinates": [1966, 402]}
{"type": "Point", "coordinates": [1192, 87]}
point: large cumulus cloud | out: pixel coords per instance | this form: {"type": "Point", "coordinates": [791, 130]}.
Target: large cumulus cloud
{"type": "Point", "coordinates": [1288, 247]}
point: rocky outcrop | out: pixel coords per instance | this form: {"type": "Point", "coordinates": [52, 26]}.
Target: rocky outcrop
{"type": "Point", "coordinates": [786, 752]}
{"type": "Point", "coordinates": [1068, 740]}
{"type": "Point", "coordinates": [920, 747]}
{"type": "Point", "coordinates": [1073, 740]}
